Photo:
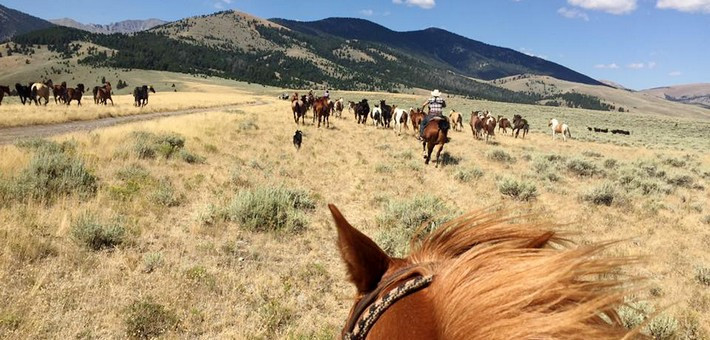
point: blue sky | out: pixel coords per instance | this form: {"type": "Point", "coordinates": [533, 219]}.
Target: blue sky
{"type": "Point", "coordinates": [638, 43]}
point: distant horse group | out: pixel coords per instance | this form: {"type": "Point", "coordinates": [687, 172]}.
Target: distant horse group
{"type": "Point", "coordinates": [39, 93]}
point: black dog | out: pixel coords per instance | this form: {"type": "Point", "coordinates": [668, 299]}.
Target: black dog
{"type": "Point", "coordinates": [298, 139]}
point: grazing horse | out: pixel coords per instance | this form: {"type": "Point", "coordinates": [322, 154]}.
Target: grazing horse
{"type": "Point", "coordinates": [400, 119]}
{"type": "Point", "coordinates": [435, 133]}
{"type": "Point", "coordinates": [104, 94]}
{"type": "Point", "coordinates": [416, 116]}
{"type": "Point", "coordinates": [140, 95]}
{"type": "Point", "coordinates": [321, 109]}
{"type": "Point", "coordinates": [386, 114]}
{"type": "Point", "coordinates": [504, 124]}
{"type": "Point", "coordinates": [41, 90]}
{"type": "Point", "coordinates": [489, 127]}
{"type": "Point", "coordinates": [298, 106]}
{"type": "Point", "coordinates": [376, 116]}
{"type": "Point", "coordinates": [362, 109]}
{"type": "Point", "coordinates": [476, 125]}
{"type": "Point", "coordinates": [338, 108]}
{"type": "Point", "coordinates": [520, 124]}
{"type": "Point", "coordinates": [457, 120]}
{"type": "Point", "coordinates": [24, 92]}
{"type": "Point", "coordinates": [559, 128]}
{"type": "Point", "coordinates": [59, 91]}
{"type": "Point", "coordinates": [74, 94]}
{"type": "Point", "coordinates": [481, 276]}
{"type": "Point", "coordinates": [3, 90]}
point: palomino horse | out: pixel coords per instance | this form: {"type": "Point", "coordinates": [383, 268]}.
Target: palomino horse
{"type": "Point", "coordinates": [520, 124]}
{"type": "Point", "coordinates": [476, 125]}
{"type": "Point", "coordinates": [562, 129]}
{"type": "Point", "coordinates": [362, 109]}
{"type": "Point", "coordinates": [298, 106]}
{"type": "Point", "coordinates": [321, 110]}
{"type": "Point", "coordinates": [74, 94]}
{"type": "Point", "coordinates": [104, 94]}
{"type": "Point", "coordinates": [400, 119]}
{"type": "Point", "coordinates": [482, 277]}
{"type": "Point", "coordinates": [456, 120]}
{"type": "Point", "coordinates": [435, 133]}
{"type": "Point", "coordinates": [416, 116]}
{"type": "Point", "coordinates": [3, 90]}
{"type": "Point", "coordinates": [41, 90]}
{"type": "Point", "coordinates": [504, 124]}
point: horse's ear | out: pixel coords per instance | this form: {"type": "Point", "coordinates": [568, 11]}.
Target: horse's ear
{"type": "Point", "coordinates": [366, 262]}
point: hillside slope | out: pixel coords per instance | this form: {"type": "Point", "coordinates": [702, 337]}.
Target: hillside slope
{"type": "Point", "coordinates": [466, 56]}
{"type": "Point", "coordinates": [695, 94]}
{"type": "Point", "coordinates": [13, 22]}
{"type": "Point", "coordinates": [126, 26]}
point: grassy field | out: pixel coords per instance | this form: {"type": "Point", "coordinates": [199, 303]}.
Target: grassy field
{"type": "Point", "coordinates": [214, 226]}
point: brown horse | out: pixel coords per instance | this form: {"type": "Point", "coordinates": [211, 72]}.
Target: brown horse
{"type": "Point", "coordinates": [504, 124]}
{"type": "Point", "coordinates": [416, 116]}
{"type": "Point", "coordinates": [456, 120]}
{"type": "Point", "coordinates": [3, 90]}
{"type": "Point", "coordinates": [489, 127]}
{"type": "Point", "coordinates": [74, 94]}
{"type": "Point", "coordinates": [298, 106]}
{"type": "Point", "coordinates": [520, 124]}
{"type": "Point", "coordinates": [59, 91]}
{"type": "Point", "coordinates": [476, 125]}
{"type": "Point", "coordinates": [104, 94]}
{"type": "Point", "coordinates": [482, 277]}
{"type": "Point", "coordinates": [435, 133]}
{"type": "Point", "coordinates": [321, 110]}
{"type": "Point", "coordinates": [41, 90]}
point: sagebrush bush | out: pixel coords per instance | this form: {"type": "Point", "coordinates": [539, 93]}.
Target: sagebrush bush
{"type": "Point", "coordinates": [468, 175]}
{"type": "Point", "coordinates": [662, 327]}
{"type": "Point", "coordinates": [583, 168]}
{"type": "Point", "coordinates": [500, 155]}
{"type": "Point", "coordinates": [190, 157]}
{"type": "Point", "coordinates": [400, 220]}
{"type": "Point", "coordinates": [91, 232]}
{"type": "Point", "coordinates": [634, 313]}
{"type": "Point", "coordinates": [166, 195]}
{"type": "Point", "coordinates": [519, 190]}
{"type": "Point", "coordinates": [592, 154]}
{"type": "Point", "coordinates": [146, 319]}
{"type": "Point", "coordinates": [605, 194]}
{"type": "Point", "coordinates": [611, 163]}
{"type": "Point", "coordinates": [147, 145]}
{"type": "Point", "coordinates": [54, 171]}
{"type": "Point", "coordinates": [681, 180]}
{"type": "Point", "coordinates": [702, 275]}
{"type": "Point", "coordinates": [383, 169]}
{"type": "Point", "coordinates": [270, 208]}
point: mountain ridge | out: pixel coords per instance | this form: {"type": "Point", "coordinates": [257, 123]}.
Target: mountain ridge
{"type": "Point", "coordinates": [125, 26]}
{"type": "Point", "coordinates": [14, 22]}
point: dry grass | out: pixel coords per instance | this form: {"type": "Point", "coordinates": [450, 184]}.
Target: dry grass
{"type": "Point", "coordinates": [185, 270]}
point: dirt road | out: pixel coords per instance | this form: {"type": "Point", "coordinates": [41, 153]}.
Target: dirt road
{"type": "Point", "coordinates": [10, 135]}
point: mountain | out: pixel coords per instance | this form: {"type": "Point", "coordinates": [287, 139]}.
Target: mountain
{"type": "Point", "coordinates": [13, 22]}
{"type": "Point", "coordinates": [615, 85]}
{"type": "Point", "coordinates": [694, 94]}
{"type": "Point", "coordinates": [127, 26]}
{"type": "Point", "coordinates": [463, 55]}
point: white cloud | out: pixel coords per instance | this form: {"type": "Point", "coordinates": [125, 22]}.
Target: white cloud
{"type": "Point", "coordinates": [636, 66]}
{"type": "Point", "coordinates": [675, 73]}
{"type": "Point", "coordinates": [530, 53]}
{"type": "Point", "coordinates": [609, 6]}
{"type": "Point", "coordinates": [652, 64]}
{"type": "Point", "coordinates": [367, 12]}
{"type": "Point", "coordinates": [685, 5]}
{"type": "Point", "coordinates": [425, 4]}
{"type": "Point", "coordinates": [572, 13]}
{"type": "Point", "coordinates": [612, 66]}
{"type": "Point", "coordinates": [221, 3]}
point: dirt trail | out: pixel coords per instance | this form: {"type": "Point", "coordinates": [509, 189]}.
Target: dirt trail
{"type": "Point", "coordinates": [12, 134]}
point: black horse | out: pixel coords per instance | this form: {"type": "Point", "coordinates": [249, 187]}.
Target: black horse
{"type": "Point", "coordinates": [362, 109]}
{"type": "Point", "coordinates": [25, 93]}
{"type": "Point", "coordinates": [520, 124]}
{"type": "Point", "coordinates": [140, 95]}
{"type": "Point", "coordinates": [386, 114]}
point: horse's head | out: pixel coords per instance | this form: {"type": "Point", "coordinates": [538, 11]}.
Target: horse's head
{"type": "Point", "coordinates": [374, 274]}
{"type": "Point", "coordinates": [151, 88]}
{"type": "Point", "coordinates": [80, 87]}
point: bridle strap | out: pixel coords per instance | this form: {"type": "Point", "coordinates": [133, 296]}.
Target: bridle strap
{"type": "Point", "coordinates": [369, 316]}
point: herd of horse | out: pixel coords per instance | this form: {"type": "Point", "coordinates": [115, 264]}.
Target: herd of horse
{"type": "Point", "coordinates": [435, 133]}
{"type": "Point", "coordinates": [36, 92]}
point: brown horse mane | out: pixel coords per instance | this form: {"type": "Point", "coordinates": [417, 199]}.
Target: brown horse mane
{"type": "Point", "coordinates": [519, 281]}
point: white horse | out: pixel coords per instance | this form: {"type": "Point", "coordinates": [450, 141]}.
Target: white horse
{"type": "Point", "coordinates": [339, 107]}
{"type": "Point", "coordinates": [400, 119]}
{"type": "Point", "coordinates": [376, 116]}
{"type": "Point", "coordinates": [562, 129]}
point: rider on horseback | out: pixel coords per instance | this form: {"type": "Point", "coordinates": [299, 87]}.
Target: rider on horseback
{"type": "Point", "coordinates": [436, 110]}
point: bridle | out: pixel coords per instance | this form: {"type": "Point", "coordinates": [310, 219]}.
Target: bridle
{"type": "Point", "coordinates": [370, 307]}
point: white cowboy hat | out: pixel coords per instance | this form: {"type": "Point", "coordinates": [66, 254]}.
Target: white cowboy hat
{"type": "Point", "coordinates": [435, 93]}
